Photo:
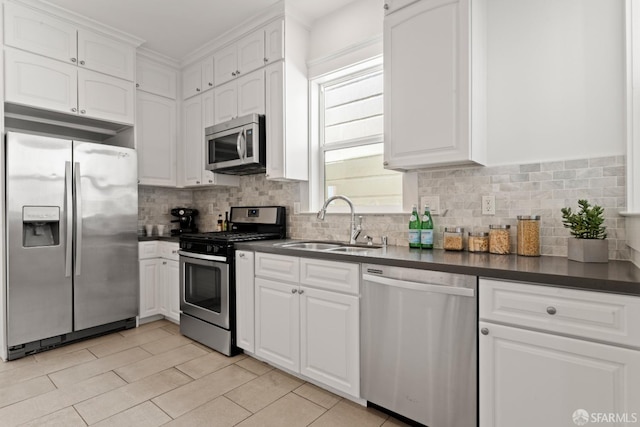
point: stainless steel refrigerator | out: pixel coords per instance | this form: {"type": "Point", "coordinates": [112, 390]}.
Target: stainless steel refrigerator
{"type": "Point", "coordinates": [72, 246]}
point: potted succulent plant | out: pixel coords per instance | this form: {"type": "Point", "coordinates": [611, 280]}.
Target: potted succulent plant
{"type": "Point", "coordinates": [586, 226]}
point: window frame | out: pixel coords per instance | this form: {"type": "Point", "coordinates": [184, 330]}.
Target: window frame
{"type": "Point", "coordinates": [316, 183]}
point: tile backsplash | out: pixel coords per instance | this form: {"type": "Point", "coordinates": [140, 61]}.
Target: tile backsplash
{"type": "Point", "coordinates": [530, 189]}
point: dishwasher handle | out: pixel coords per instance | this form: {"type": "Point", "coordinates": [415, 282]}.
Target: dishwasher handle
{"type": "Point", "coordinates": [417, 286]}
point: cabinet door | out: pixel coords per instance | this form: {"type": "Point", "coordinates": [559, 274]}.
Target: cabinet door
{"type": "Point", "coordinates": [275, 126]}
{"type": "Point", "coordinates": [330, 339]}
{"type": "Point", "coordinates": [225, 64]}
{"type": "Point", "coordinates": [104, 97]}
{"type": "Point", "coordinates": [149, 287]}
{"type": "Point", "coordinates": [40, 82]}
{"type": "Point", "coordinates": [39, 33]}
{"type": "Point", "coordinates": [274, 42]}
{"type": "Point", "coordinates": [106, 55]}
{"type": "Point", "coordinates": [192, 142]}
{"type": "Point", "coordinates": [170, 279]}
{"type": "Point", "coordinates": [277, 323]}
{"type": "Point", "coordinates": [251, 52]}
{"type": "Point", "coordinates": [245, 297]}
{"type": "Point", "coordinates": [251, 94]}
{"type": "Point", "coordinates": [225, 103]}
{"type": "Point", "coordinates": [191, 81]}
{"type": "Point", "coordinates": [207, 74]}
{"type": "Point", "coordinates": [532, 379]}
{"type": "Point", "coordinates": [156, 118]}
{"type": "Point", "coordinates": [426, 71]}
{"type": "Point", "coordinates": [155, 78]}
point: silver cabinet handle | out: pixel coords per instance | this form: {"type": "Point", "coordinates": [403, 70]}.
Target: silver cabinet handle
{"type": "Point", "coordinates": [137, 84]}
{"type": "Point", "coordinates": [385, 163]}
{"type": "Point", "coordinates": [174, 251]}
{"type": "Point", "coordinates": [164, 262]}
{"type": "Point", "coordinates": [241, 255]}
{"type": "Point", "coordinates": [484, 331]}
{"type": "Point", "coordinates": [210, 181]}
{"type": "Point", "coordinates": [81, 62]}
{"type": "Point", "coordinates": [74, 109]}
{"type": "Point", "coordinates": [237, 72]}
{"type": "Point", "coordinates": [210, 84]}
{"type": "Point", "coordinates": [197, 182]}
{"type": "Point", "coordinates": [266, 60]}
{"type": "Point", "coordinates": [551, 310]}
{"type": "Point", "coordinates": [301, 291]}
{"type": "Point", "coordinates": [293, 291]}
{"type": "Point", "coordinates": [83, 111]}
{"type": "Point", "coordinates": [386, 6]}
{"type": "Point", "coordinates": [197, 89]}
{"type": "Point", "coordinates": [74, 60]}
{"type": "Point", "coordinates": [233, 74]}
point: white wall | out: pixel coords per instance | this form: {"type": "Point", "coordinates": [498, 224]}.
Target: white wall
{"type": "Point", "coordinates": [352, 34]}
{"type": "Point", "coordinates": [556, 87]}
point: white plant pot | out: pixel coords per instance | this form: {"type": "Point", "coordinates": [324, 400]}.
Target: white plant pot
{"type": "Point", "coordinates": [588, 250]}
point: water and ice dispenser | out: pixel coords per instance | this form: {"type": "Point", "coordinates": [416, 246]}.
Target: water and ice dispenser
{"type": "Point", "coordinates": [40, 226]}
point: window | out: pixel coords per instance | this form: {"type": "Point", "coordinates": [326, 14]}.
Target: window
{"type": "Point", "coordinates": [349, 141]}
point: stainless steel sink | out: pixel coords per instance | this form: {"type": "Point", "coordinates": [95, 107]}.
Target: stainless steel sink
{"type": "Point", "coordinates": [313, 246]}
{"type": "Point", "coordinates": [352, 249]}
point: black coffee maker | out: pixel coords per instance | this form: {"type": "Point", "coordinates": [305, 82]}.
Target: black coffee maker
{"type": "Point", "coordinates": [187, 220]}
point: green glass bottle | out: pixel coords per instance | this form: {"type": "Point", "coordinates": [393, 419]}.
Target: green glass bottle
{"type": "Point", "coordinates": [426, 229]}
{"type": "Point", "coordinates": [414, 228]}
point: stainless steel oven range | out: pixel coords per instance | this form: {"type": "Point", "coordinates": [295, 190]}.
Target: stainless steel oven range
{"type": "Point", "coordinates": [207, 274]}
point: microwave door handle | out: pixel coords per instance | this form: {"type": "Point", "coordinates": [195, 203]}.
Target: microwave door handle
{"type": "Point", "coordinates": [244, 145]}
{"type": "Point", "coordinates": [239, 145]}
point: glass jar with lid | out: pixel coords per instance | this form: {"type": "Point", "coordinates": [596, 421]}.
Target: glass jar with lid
{"type": "Point", "coordinates": [453, 239]}
{"type": "Point", "coordinates": [499, 239]}
{"type": "Point", "coordinates": [478, 242]}
{"type": "Point", "coordinates": [528, 243]}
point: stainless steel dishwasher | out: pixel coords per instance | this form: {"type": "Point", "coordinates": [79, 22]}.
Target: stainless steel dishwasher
{"type": "Point", "coordinates": [418, 344]}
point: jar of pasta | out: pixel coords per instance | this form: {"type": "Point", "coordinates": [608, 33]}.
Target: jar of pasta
{"type": "Point", "coordinates": [453, 239]}
{"type": "Point", "coordinates": [478, 242]}
{"type": "Point", "coordinates": [499, 239]}
{"type": "Point", "coordinates": [528, 235]}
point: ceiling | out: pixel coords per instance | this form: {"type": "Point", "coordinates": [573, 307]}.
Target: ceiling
{"type": "Point", "coordinates": [176, 28]}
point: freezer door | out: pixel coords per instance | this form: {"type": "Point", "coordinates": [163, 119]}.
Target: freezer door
{"type": "Point", "coordinates": [106, 250]}
{"type": "Point", "coordinates": [38, 204]}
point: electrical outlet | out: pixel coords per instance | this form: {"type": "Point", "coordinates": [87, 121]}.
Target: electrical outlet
{"type": "Point", "coordinates": [433, 202]}
{"type": "Point", "coordinates": [488, 205]}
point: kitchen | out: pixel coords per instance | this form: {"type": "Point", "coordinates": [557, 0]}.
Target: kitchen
{"type": "Point", "coordinates": [522, 176]}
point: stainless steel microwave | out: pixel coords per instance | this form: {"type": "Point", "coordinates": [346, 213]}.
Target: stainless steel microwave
{"type": "Point", "coordinates": [237, 147]}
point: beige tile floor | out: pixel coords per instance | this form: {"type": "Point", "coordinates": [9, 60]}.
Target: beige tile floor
{"type": "Point", "coordinates": [152, 376]}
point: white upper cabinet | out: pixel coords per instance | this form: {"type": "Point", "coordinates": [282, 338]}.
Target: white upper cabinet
{"type": "Point", "coordinates": [240, 97]}
{"type": "Point", "coordinates": [197, 78]}
{"type": "Point", "coordinates": [239, 58]}
{"type": "Point", "coordinates": [45, 83]}
{"type": "Point", "coordinates": [429, 105]}
{"type": "Point", "coordinates": [46, 35]}
{"type": "Point", "coordinates": [286, 98]}
{"type": "Point", "coordinates": [274, 42]}
{"type": "Point", "coordinates": [156, 138]}
{"type": "Point", "coordinates": [155, 78]}
{"type": "Point", "coordinates": [106, 55]}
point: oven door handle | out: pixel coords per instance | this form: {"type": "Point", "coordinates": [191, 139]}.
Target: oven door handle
{"type": "Point", "coordinates": [203, 257]}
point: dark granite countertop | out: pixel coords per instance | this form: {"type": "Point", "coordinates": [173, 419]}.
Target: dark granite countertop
{"type": "Point", "coordinates": [174, 239]}
{"type": "Point", "coordinates": [621, 277]}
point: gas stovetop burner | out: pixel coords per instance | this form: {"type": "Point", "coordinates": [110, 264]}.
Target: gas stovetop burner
{"type": "Point", "coordinates": [231, 236]}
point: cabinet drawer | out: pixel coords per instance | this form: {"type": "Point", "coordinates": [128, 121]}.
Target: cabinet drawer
{"type": "Point", "coordinates": [330, 275]}
{"type": "Point", "coordinates": [168, 250]}
{"type": "Point", "coordinates": [278, 267]}
{"type": "Point", "coordinates": [592, 315]}
{"type": "Point", "coordinates": [147, 250]}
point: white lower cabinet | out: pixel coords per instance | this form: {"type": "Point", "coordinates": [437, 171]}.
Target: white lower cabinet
{"type": "Point", "coordinates": [544, 377]}
{"type": "Point", "coordinates": [245, 298]}
{"type": "Point", "coordinates": [304, 328]}
{"type": "Point", "coordinates": [159, 280]}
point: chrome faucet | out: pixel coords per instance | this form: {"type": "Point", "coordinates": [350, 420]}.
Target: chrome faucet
{"type": "Point", "coordinates": [355, 228]}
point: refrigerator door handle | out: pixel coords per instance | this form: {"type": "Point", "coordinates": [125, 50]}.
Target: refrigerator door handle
{"type": "Point", "coordinates": [68, 209]}
{"type": "Point", "coordinates": [78, 214]}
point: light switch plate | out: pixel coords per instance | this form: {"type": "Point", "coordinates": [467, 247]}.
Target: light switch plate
{"type": "Point", "coordinates": [433, 202]}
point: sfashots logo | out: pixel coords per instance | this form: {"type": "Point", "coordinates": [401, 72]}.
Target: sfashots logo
{"type": "Point", "coordinates": [581, 417]}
